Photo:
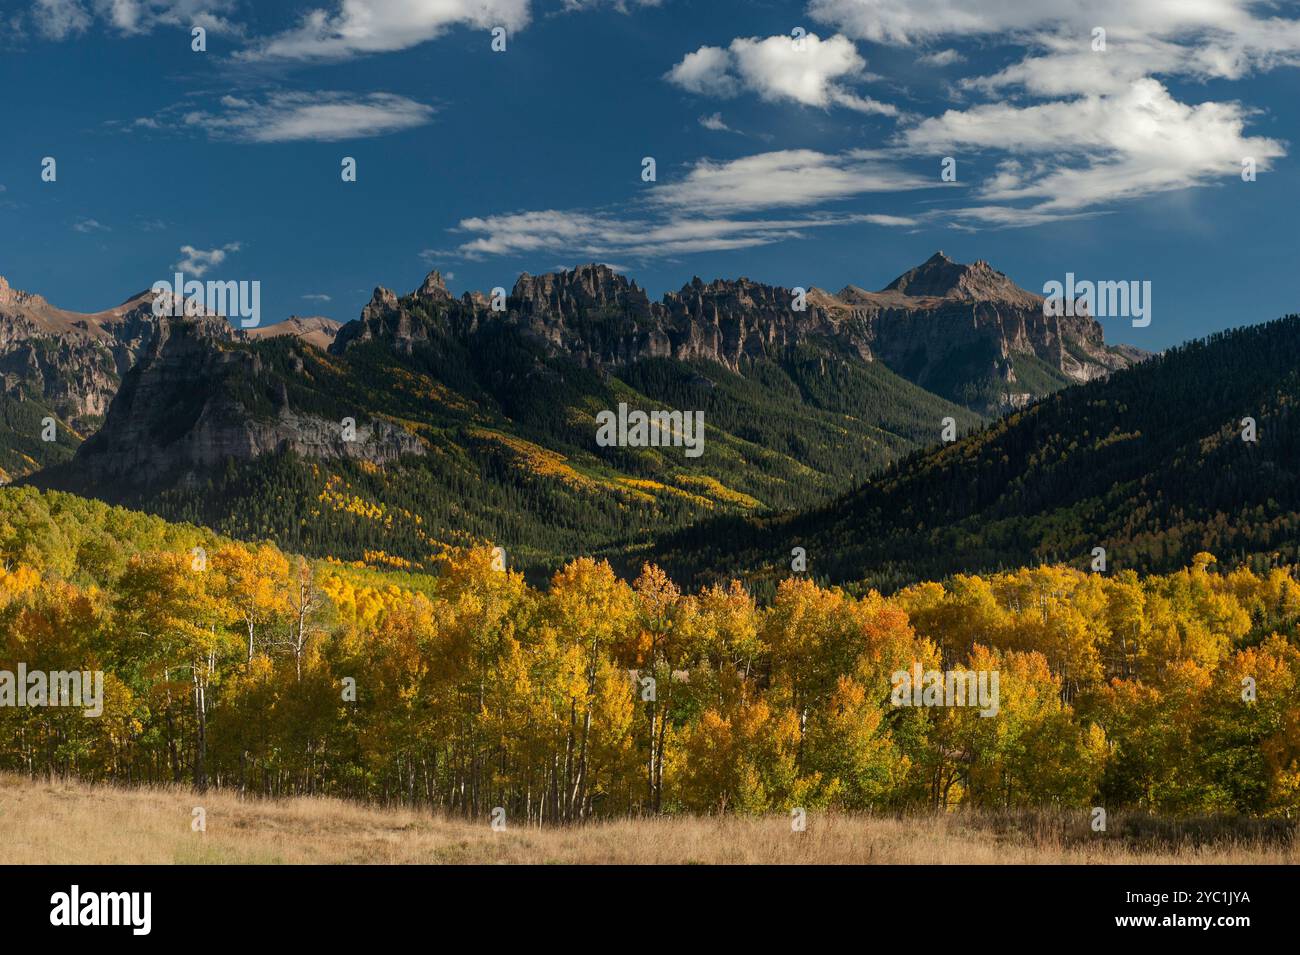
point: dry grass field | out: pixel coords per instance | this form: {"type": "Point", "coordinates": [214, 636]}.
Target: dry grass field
{"type": "Point", "coordinates": [61, 822]}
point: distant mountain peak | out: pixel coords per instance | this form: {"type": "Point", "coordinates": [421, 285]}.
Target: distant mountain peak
{"type": "Point", "coordinates": [17, 297]}
{"type": "Point", "coordinates": [941, 277]}
{"type": "Point", "coordinates": [593, 285]}
{"type": "Point", "coordinates": [382, 298]}
{"type": "Point", "coordinates": [433, 288]}
{"type": "Point", "coordinates": [315, 330]}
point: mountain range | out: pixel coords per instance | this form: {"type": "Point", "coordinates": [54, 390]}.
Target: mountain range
{"type": "Point", "coordinates": [434, 420]}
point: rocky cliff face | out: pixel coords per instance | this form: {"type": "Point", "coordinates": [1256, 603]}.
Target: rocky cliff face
{"type": "Point", "coordinates": [952, 328]}
{"type": "Point", "coordinates": [598, 317]}
{"type": "Point", "coordinates": [193, 403]}
{"type": "Point", "coordinates": [949, 326]}
{"type": "Point", "coordinates": [74, 362]}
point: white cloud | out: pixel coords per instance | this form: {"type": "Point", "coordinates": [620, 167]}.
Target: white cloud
{"type": "Point", "coordinates": [715, 123]}
{"type": "Point", "coordinates": [622, 6]}
{"type": "Point", "coordinates": [789, 178]}
{"type": "Point", "coordinates": [1199, 38]}
{"type": "Point", "coordinates": [1099, 149]}
{"type": "Point", "coordinates": [595, 234]}
{"type": "Point", "coordinates": [90, 225]}
{"type": "Point", "coordinates": [378, 26]}
{"type": "Point", "coordinates": [904, 22]}
{"type": "Point", "coordinates": [969, 219]}
{"type": "Point", "coordinates": [941, 58]}
{"type": "Point", "coordinates": [125, 15]}
{"type": "Point", "coordinates": [707, 71]}
{"type": "Point", "coordinates": [321, 116]}
{"type": "Point", "coordinates": [811, 71]}
{"type": "Point", "coordinates": [317, 297]}
{"type": "Point", "coordinates": [705, 211]}
{"type": "Point", "coordinates": [198, 262]}
{"type": "Point", "coordinates": [1068, 130]}
{"type": "Point", "coordinates": [59, 19]}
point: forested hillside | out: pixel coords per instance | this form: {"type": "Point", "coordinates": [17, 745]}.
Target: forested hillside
{"type": "Point", "coordinates": [434, 420]}
{"type": "Point", "coordinates": [489, 433]}
{"type": "Point", "coordinates": [23, 419]}
{"type": "Point", "coordinates": [241, 666]}
{"type": "Point", "coordinates": [1153, 464]}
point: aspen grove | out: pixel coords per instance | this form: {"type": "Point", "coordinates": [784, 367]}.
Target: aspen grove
{"type": "Point", "coordinates": [262, 672]}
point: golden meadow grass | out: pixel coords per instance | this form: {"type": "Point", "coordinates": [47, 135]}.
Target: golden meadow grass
{"type": "Point", "coordinates": [67, 822]}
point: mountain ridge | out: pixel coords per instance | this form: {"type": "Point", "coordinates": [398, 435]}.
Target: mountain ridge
{"type": "Point", "coordinates": [941, 318]}
{"type": "Point", "coordinates": [1153, 464]}
{"type": "Point", "coordinates": [469, 422]}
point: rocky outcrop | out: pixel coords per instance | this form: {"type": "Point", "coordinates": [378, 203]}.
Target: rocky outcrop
{"type": "Point", "coordinates": [75, 361]}
{"type": "Point", "coordinates": [434, 289]}
{"type": "Point", "coordinates": [388, 319]}
{"type": "Point", "coordinates": [952, 328]}
{"type": "Point", "coordinates": [726, 321]}
{"type": "Point", "coordinates": [569, 295]}
{"type": "Point", "coordinates": [955, 329]}
{"type": "Point", "coordinates": [16, 299]}
{"type": "Point", "coordinates": [193, 403]}
{"type": "Point", "coordinates": [315, 330]}
{"type": "Point", "coordinates": [180, 414]}
{"type": "Point", "coordinates": [600, 318]}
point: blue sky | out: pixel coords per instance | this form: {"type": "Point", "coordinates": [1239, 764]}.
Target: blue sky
{"type": "Point", "coordinates": [810, 163]}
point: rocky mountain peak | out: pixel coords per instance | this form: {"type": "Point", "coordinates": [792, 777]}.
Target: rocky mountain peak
{"type": "Point", "coordinates": [942, 277]}
{"type": "Point", "coordinates": [387, 318]}
{"type": "Point", "coordinates": [565, 293]}
{"type": "Point", "coordinates": [729, 296]}
{"type": "Point", "coordinates": [383, 300]}
{"type": "Point", "coordinates": [433, 288]}
{"type": "Point", "coordinates": [315, 330]}
{"type": "Point", "coordinates": [17, 297]}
